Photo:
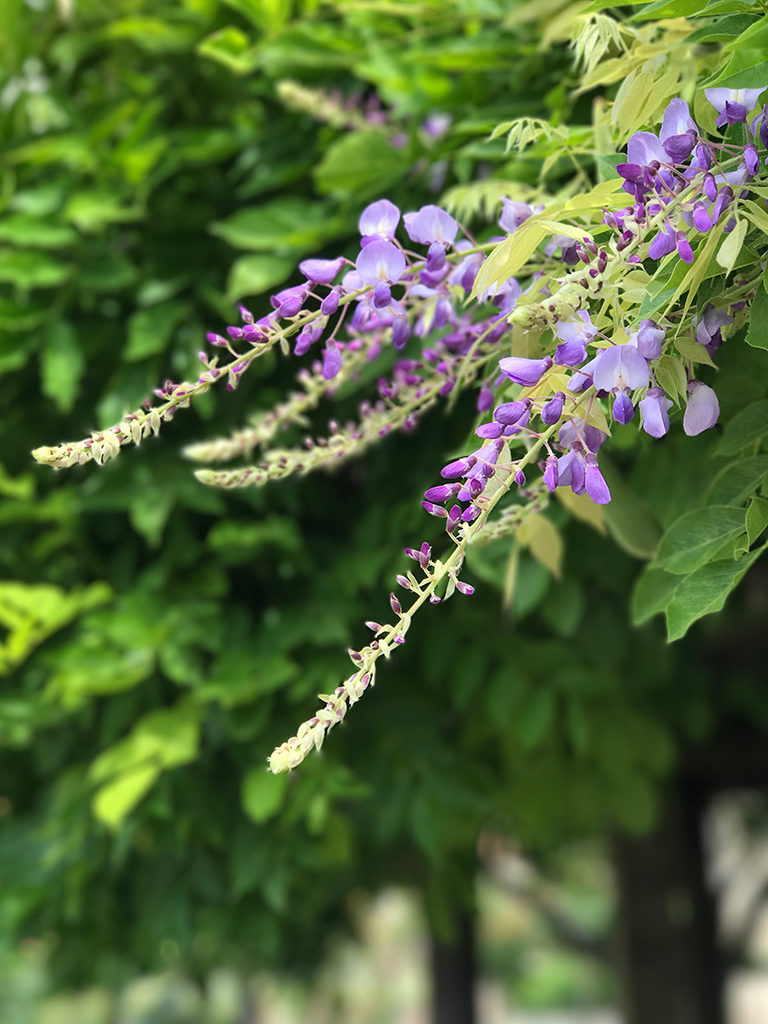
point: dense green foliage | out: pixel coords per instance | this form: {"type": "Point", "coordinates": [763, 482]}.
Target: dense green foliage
{"type": "Point", "coordinates": [161, 637]}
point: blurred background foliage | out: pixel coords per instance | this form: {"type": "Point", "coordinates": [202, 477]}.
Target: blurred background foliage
{"type": "Point", "coordinates": [162, 160]}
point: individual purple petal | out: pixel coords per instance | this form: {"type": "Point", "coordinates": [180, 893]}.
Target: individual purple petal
{"type": "Point", "coordinates": [379, 218]}
{"type": "Point", "coordinates": [710, 188]}
{"type": "Point", "coordinates": [654, 409]}
{"type": "Point", "coordinates": [570, 468]}
{"type": "Point", "coordinates": [644, 148]}
{"type": "Point", "coordinates": [430, 224]}
{"type": "Point", "coordinates": [435, 257]}
{"type": "Point", "coordinates": [679, 147]}
{"type": "Point", "coordinates": [380, 261]}
{"type": "Point", "coordinates": [457, 468]}
{"type": "Point", "coordinates": [321, 271]}
{"type": "Point", "coordinates": [619, 368]}
{"type": "Point", "coordinates": [581, 328]}
{"type": "Point", "coordinates": [527, 372]}
{"type": "Point", "coordinates": [553, 409]}
{"type": "Point", "coordinates": [332, 362]}
{"type": "Point", "coordinates": [662, 244]}
{"type": "Point", "coordinates": [485, 399]}
{"type": "Point", "coordinates": [594, 482]}
{"type": "Point", "coordinates": [709, 326]}
{"type": "Point", "coordinates": [702, 410]}
{"type": "Point", "coordinates": [575, 433]}
{"type": "Point", "coordinates": [623, 410]}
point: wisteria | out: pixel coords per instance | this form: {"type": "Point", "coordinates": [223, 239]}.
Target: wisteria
{"type": "Point", "coordinates": [551, 325]}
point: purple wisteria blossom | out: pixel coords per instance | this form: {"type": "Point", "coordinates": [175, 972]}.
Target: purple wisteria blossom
{"type": "Point", "coordinates": [654, 409]}
{"type": "Point", "coordinates": [430, 224]}
{"type": "Point", "coordinates": [733, 105]}
{"type": "Point", "coordinates": [702, 410]}
{"type": "Point", "coordinates": [709, 326]}
{"type": "Point", "coordinates": [379, 220]}
{"type": "Point", "coordinates": [380, 261]}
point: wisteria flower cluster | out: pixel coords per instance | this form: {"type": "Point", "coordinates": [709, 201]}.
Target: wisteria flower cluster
{"type": "Point", "coordinates": [534, 320]}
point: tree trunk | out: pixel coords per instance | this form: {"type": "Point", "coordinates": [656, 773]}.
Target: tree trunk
{"type": "Point", "coordinates": [452, 968]}
{"type": "Point", "coordinates": [669, 963]}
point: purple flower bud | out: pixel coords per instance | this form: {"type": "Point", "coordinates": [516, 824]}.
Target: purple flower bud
{"type": "Point", "coordinates": [470, 514]}
{"type": "Point", "coordinates": [401, 332]}
{"type": "Point", "coordinates": [332, 362]}
{"type": "Point", "coordinates": [373, 626]}
{"type": "Point", "coordinates": [464, 588]}
{"type": "Point", "coordinates": [397, 608]}
{"type": "Point", "coordinates": [321, 271]}
{"type": "Point", "coordinates": [684, 247]}
{"type": "Point", "coordinates": [380, 218]}
{"type": "Point", "coordinates": [380, 261]}
{"type": "Point", "coordinates": [594, 483]}
{"type": "Point", "coordinates": [527, 372]}
{"type": "Point", "coordinates": [710, 188]}
{"type": "Point", "coordinates": [430, 224]}
{"type": "Point", "coordinates": [520, 478]}
{"type": "Point", "coordinates": [303, 343]}
{"type": "Point", "coordinates": [235, 333]}
{"type": "Point", "coordinates": [485, 399]}
{"type": "Point", "coordinates": [440, 493]}
{"type": "Point", "coordinates": [435, 257]}
{"type": "Point", "coordinates": [654, 409]}
{"type": "Point", "coordinates": [330, 303]}
{"type": "Point", "coordinates": [571, 353]}
{"type": "Point", "coordinates": [701, 218]}
{"type": "Point", "coordinates": [723, 201]}
{"type": "Point", "coordinates": [216, 339]}
{"type": "Point", "coordinates": [551, 474]}
{"type": "Point", "coordinates": [245, 315]}
{"type": "Point", "coordinates": [702, 410]}
{"type": "Point", "coordinates": [570, 469]}
{"type": "Point", "coordinates": [457, 468]}
{"type": "Point", "coordinates": [489, 431]}
{"type": "Point", "coordinates": [454, 513]}
{"type": "Point", "coordinates": [709, 327]}
{"type": "Point", "coordinates": [759, 127]}
{"type": "Point", "coordinates": [553, 409]}
{"type": "Point", "coordinates": [404, 582]}
{"type": "Point", "coordinates": [751, 158]}
{"type": "Point", "coordinates": [434, 510]}
{"type": "Point", "coordinates": [511, 412]}
{"type": "Point", "coordinates": [623, 410]}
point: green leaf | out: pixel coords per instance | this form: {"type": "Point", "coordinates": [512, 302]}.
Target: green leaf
{"type": "Point", "coordinates": [231, 47]}
{"type": "Point", "coordinates": [27, 269]}
{"type": "Point", "coordinates": [286, 225]}
{"type": "Point", "coordinates": [61, 365]}
{"type": "Point", "coordinates": [746, 427]}
{"type": "Point", "coordinates": [696, 537]}
{"type": "Point", "coordinates": [255, 274]}
{"type": "Point", "coordinates": [738, 480]}
{"type": "Point", "coordinates": [652, 593]}
{"type": "Point", "coordinates": [362, 163]}
{"type": "Point", "coordinates": [747, 69]}
{"type": "Point", "coordinates": [705, 591]}
{"type": "Point", "coordinates": [757, 519]}
{"type": "Point", "coordinates": [93, 210]}
{"type": "Point", "coordinates": [534, 717]}
{"type": "Point", "coordinates": [263, 793]}
{"type": "Point", "coordinates": [757, 330]}
{"type": "Point", "coordinates": [150, 329]}
{"type": "Point", "coordinates": [731, 247]}
{"type": "Point", "coordinates": [21, 229]}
